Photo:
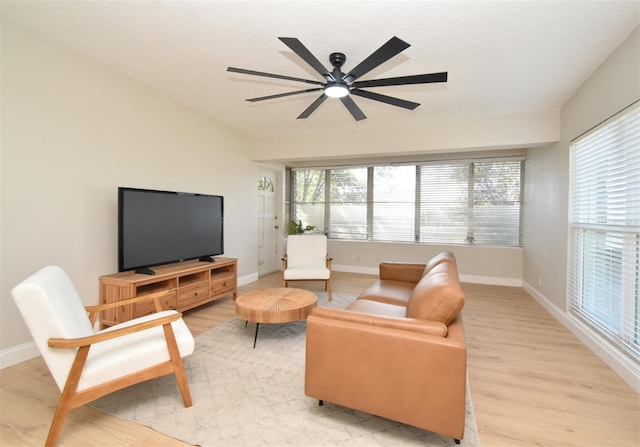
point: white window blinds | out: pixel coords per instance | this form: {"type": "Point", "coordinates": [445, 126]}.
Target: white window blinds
{"type": "Point", "coordinates": [496, 202]}
{"type": "Point", "coordinates": [474, 202]}
{"type": "Point", "coordinates": [394, 199]}
{"type": "Point", "coordinates": [448, 202]}
{"type": "Point", "coordinates": [348, 204]}
{"type": "Point", "coordinates": [604, 230]}
{"type": "Point", "coordinates": [444, 202]}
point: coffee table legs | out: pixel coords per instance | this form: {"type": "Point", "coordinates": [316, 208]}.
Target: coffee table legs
{"type": "Point", "coordinates": [255, 337]}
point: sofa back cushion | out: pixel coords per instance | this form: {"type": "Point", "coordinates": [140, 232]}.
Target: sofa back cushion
{"type": "Point", "coordinates": [438, 296]}
{"type": "Point", "coordinates": [444, 256]}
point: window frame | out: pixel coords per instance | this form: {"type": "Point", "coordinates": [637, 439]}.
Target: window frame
{"type": "Point", "coordinates": [594, 215]}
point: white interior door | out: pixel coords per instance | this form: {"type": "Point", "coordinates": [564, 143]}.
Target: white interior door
{"type": "Point", "coordinates": [268, 261]}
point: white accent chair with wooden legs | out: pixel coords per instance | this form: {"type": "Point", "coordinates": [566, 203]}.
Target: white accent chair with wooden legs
{"type": "Point", "coordinates": [307, 260]}
{"type": "Point", "coordinates": [87, 365]}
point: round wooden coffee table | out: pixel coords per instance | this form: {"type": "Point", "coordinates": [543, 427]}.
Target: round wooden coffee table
{"type": "Point", "coordinates": [278, 305]}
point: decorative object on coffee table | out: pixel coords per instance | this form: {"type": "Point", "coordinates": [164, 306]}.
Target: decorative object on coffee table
{"type": "Point", "coordinates": [278, 305]}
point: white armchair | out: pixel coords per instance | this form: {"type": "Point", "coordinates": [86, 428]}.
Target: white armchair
{"type": "Point", "coordinates": [307, 260]}
{"type": "Point", "coordinates": [87, 365]}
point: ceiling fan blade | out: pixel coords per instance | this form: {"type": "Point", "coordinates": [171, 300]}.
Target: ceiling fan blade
{"type": "Point", "coordinates": [353, 108]}
{"type": "Point", "coordinates": [386, 99]}
{"type": "Point", "coordinates": [378, 57]}
{"type": "Point", "coordinates": [403, 80]}
{"type": "Point", "coordinates": [281, 95]}
{"type": "Point", "coordinates": [306, 55]}
{"type": "Point", "coordinates": [314, 105]}
{"type": "Point", "coordinates": [271, 75]}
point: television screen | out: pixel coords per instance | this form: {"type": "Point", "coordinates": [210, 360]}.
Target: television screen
{"type": "Point", "coordinates": [160, 227]}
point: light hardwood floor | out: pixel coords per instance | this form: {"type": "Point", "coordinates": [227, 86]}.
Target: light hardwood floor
{"type": "Point", "coordinates": [532, 382]}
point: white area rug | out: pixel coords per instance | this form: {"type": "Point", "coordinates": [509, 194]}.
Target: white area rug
{"type": "Point", "coordinates": [249, 397]}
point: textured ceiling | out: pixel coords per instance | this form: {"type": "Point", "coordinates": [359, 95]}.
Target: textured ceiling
{"type": "Point", "coordinates": [502, 57]}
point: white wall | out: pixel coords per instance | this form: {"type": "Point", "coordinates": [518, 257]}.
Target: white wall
{"type": "Point", "coordinates": [612, 87]}
{"type": "Point", "coordinates": [477, 264]}
{"type": "Point", "coordinates": [73, 132]}
{"type": "Point", "coordinates": [435, 135]}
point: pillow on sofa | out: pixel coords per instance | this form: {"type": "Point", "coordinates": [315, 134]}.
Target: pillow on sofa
{"type": "Point", "coordinates": [438, 296]}
{"type": "Point", "coordinates": [388, 291]}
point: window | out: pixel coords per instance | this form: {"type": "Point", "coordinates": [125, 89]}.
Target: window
{"type": "Point", "coordinates": [393, 204]}
{"type": "Point", "coordinates": [454, 202]}
{"type": "Point", "coordinates": [265, 184]}
{"type": "Point", "coordinates": [444, 203]}
{"type": "Point", "coordinates": [308, 193]}
{"type": "Point", "coordinates": [496, 203]}
{"type": "Point", "coordinates": [347, 213]}
{"type": "Point", "coordinates": [604, 230]}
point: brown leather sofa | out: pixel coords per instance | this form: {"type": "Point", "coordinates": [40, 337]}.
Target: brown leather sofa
{"type": "Point", "coordinates": [398, 351]}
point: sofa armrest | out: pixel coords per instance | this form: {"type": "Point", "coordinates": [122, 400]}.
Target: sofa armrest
{"type": "Point", "coordinates": [402, 271]}
{"type": "Point", "coordinates": [407, 324]}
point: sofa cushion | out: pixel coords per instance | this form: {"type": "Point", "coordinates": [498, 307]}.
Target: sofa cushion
{"type": "Point", "coordinates": [376, 308]}
{"type": "Point", "coordinates": [444, 256]}
{"type": "Point", "coordinates": [306, 272]}
{"type": "Point", "coordinates": [438, 296]}
{"type": "Point", "coordinates": [388, 291]}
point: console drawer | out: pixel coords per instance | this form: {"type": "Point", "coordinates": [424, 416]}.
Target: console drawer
{"type": "Point", "coordinates": [168, 302]}
{"type": "Point", "coordinates": [222, 284]}
{"type": "Point", "coordinates": [193, 295]}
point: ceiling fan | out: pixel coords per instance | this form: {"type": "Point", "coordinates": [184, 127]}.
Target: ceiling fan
{"type": "Point", "coordinates": [340, 85]}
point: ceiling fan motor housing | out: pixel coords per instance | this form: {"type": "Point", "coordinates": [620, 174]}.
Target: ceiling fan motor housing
{"type": "Point", "coordinates": [337, 59]}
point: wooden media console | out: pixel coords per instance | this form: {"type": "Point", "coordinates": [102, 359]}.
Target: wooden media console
{"type": "Point", "coordinates": [188, 284]}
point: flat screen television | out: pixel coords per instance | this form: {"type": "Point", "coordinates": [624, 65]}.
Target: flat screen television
{"type": "Point", "coordinates": [161, 227]}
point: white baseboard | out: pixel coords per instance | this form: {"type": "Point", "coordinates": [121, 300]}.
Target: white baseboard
{"type": "Point", "coordinates": [244, 280]}
{"type": "Point", "coordinates": [491, 280]}
{"type": "Point", "coordinates": [18, 354]}
{"type": "Point", "coordinates": [624, 367]}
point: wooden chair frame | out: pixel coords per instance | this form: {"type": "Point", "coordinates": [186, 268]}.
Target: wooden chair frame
{"type": "Point", "coordinates": [327, 282]}
{"type": "Point", "coordinates": [71, 398]}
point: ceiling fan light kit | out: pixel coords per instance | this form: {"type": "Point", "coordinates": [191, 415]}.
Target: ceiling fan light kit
{"type": "Point", "coordinates": [342, 86]}
{"type": "Point", "coordinates": [336, 90]}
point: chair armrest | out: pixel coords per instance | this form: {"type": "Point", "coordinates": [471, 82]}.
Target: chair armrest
{"type": "Point", "coordinates": [406, 324]}
{"type": "Point", "coordinates": [110, 334]}
{"type": "Point", "coordinates": [402, 271]}
{"type": "Point", "coordinates": [94, 310]}
{"type": "Point", "coordinates": [328, 261]}
{"type": "Point", "coordinates": [136, 299]}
